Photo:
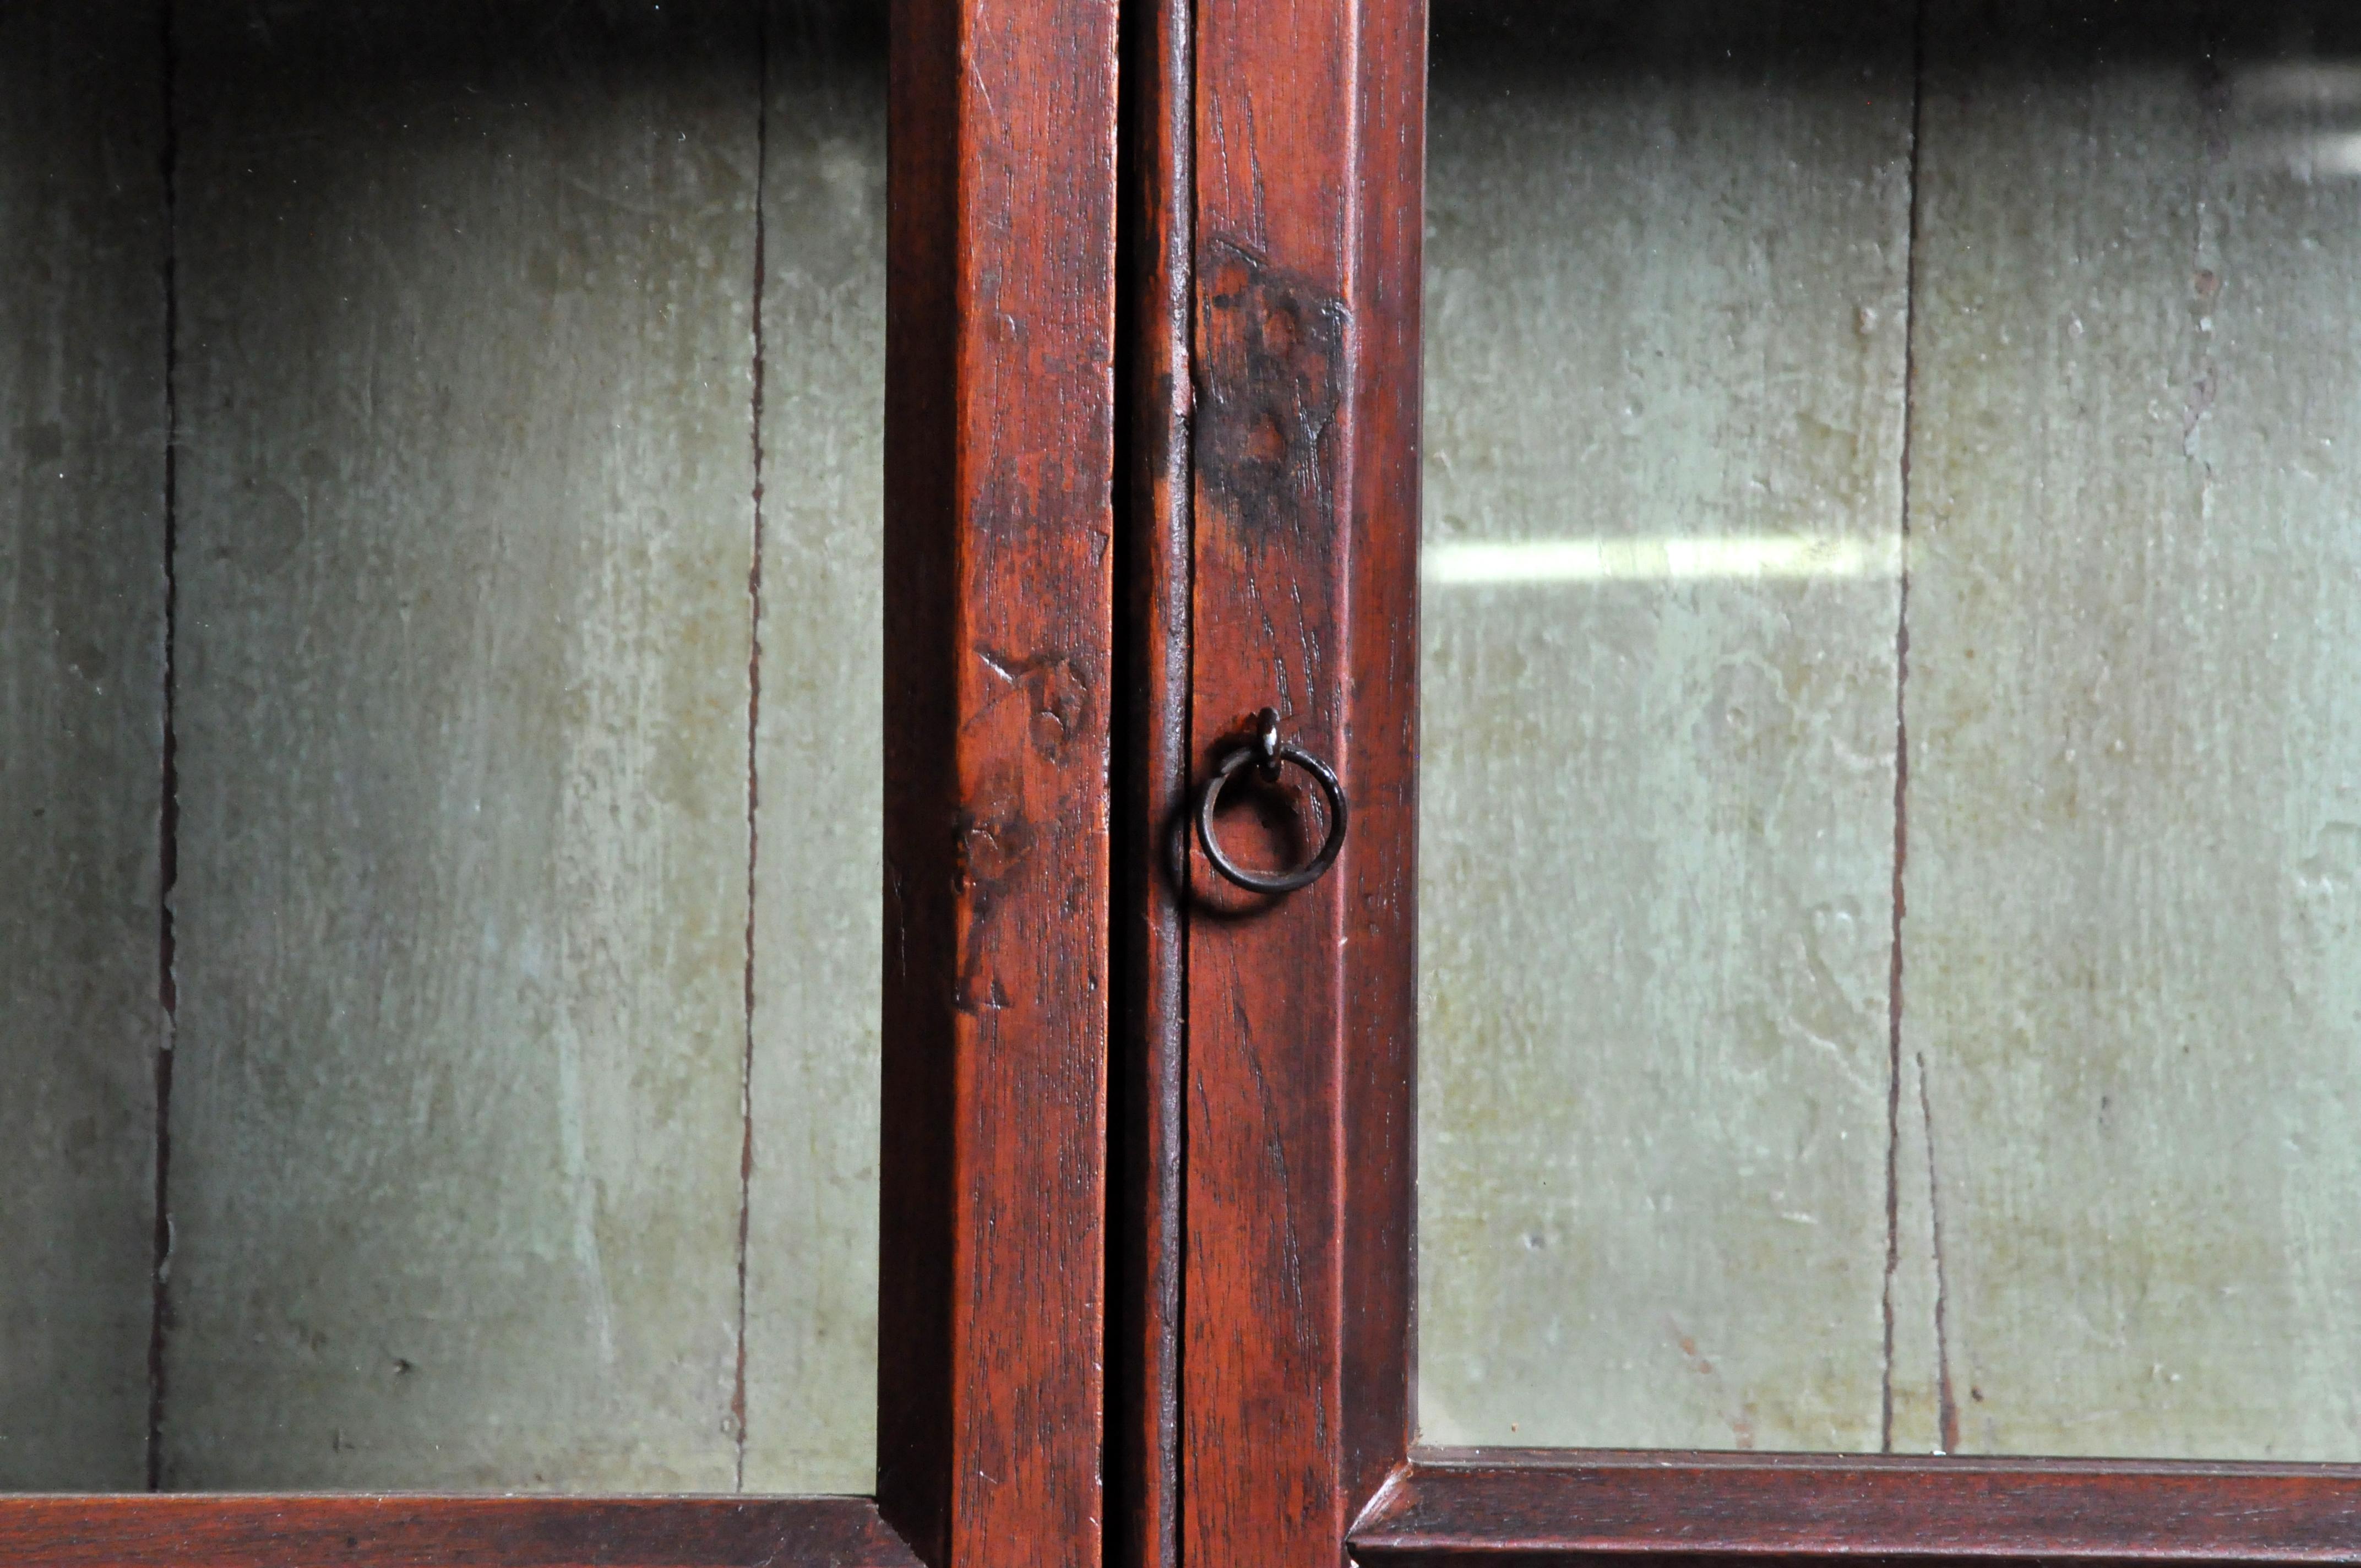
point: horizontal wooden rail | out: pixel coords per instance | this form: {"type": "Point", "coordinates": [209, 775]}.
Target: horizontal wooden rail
{"type": "Point", "coordinates": [220, 1530]}
{"type": "Point", "coordinates": [1534, 1506]}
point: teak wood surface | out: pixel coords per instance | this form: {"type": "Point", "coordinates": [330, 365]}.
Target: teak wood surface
{"type": "Point", "coordinates": [1309, 152]}
{"type": "Point", "coordinates": [1299, 1009]}
{"type": "Point", "coordinates": [1534, 1506]}
{"type": "Point", "coordinates": [999, 458]}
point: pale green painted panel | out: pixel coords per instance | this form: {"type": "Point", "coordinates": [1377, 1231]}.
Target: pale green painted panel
{"type": "Point", "coordinates": [1665, 334]}
{"type": "Point", "coordinates": [82, 607]}
{"type": "Point", "coordinates": [811, 1262]}
{"type": "Point", "coordinates": [465, 524]}
{"type": "Point", "coordinates": [2133, 975]}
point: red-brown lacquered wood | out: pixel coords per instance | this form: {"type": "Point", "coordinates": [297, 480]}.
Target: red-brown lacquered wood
{"type": "Point", "coordinates": [1536, 1507]}
{"type": "Point", "coordinates": [448, 1532]}
{"type": "Point", "coordinates": [1150, 786]}
{"type": "Point", "coordinates": [1308, 145]}
{"type": "Point", "coordinates": [999, 643]}
{"type": "Point", "coordinates": [1378, 1091]}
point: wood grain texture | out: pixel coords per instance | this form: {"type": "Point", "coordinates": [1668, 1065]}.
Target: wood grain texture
{"type": "Point", "coordinates": [1667, 275]}
{"type": "Point", "coordinates": [1534, 1507]}
{"type": "Point", "coordinates": [1307, 155]}
{"type": "Point", "coordinates": [448, 1532]}
{"type": "Point", "coordinates": [1377, 1095]}
{"type": "Point", "coordinates": [811, 1253]}
{"type": "Point", "coordinates": [999, 476]}
{"type": "Point", "coordinates": [82, 609]}
{"type": "Point", "coordinates": [465, 372]}
{"type": "Point", "coordinates": [1150, 788]}
{"type": "Point", "coordinates": [2131, 1026]}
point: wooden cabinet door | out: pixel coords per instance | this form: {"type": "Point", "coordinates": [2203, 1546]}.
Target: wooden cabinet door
{"type": "Point", "coordinates": [162, 222]}
{"type": "Point", "coordinates": [1831, 307]}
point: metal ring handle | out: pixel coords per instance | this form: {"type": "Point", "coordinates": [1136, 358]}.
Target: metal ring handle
{"type": "Point", "coordinates": [1271, 752]}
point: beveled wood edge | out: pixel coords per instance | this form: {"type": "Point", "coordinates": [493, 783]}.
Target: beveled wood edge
{"type": "Point", "coordinates": [1547, 1506]}
{"type": "Point", "coordinates": [1376, 1103]}
{"type": "Point", "coordinates": [386, 1530]}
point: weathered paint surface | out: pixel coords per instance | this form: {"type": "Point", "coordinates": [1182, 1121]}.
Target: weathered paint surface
{"type": "Point", "coordinates": [2124, 1056]}
{"type": "Point", "coordinates": [466, 381]}
{"type": "Point", "coordinates": [811, 1261]}
{"type": "Point", "coordinates": [1666, 294]}
{"type": "Point", "coordinates": [82, 606]}
{"type": "Point", "coordinates": [467, 376]}
{"type": "Point", "coordinates": [2133, 950]}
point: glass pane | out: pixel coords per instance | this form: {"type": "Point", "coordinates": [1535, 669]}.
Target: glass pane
{"type": "Point", "coordinates": [439, 893]}
{"type": "Point", "coordinates": [1890, 958]}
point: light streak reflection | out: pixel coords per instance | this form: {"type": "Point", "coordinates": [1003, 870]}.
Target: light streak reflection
{"type": "Point", "coordinates": [1665, 558]}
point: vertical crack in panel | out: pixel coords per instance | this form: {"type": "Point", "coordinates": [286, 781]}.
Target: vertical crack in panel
{"type": "Point", "coordinates": [169, 805]}
{"type": "Point", "coordinates": [1947, 1405]}
{"type": "Point", "coordinates": [1901, 743]}
{"type": "Point", "coordinates": [753, 737]}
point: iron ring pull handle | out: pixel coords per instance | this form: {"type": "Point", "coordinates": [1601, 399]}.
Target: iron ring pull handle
{"type": "Point", "coordinates": [1268, 753]}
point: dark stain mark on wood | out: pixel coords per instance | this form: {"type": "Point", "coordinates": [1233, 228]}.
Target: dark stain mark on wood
{"type": "Point", "coordinates": [1270, 379]}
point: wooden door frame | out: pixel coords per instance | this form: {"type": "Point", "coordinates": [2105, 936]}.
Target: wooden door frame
{"type": "Point", "coordinates": [999, 588]}
{"type": "Point", "coordinates": [1286, 1051]}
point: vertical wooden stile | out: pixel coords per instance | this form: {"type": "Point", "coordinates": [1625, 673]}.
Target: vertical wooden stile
{"type": "Point", "coordinates": [1308, 149]}
{"type": "Point", "coordinates": [999, 463]}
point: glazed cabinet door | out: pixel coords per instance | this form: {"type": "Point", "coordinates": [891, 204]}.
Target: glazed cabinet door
{"type": "Point", "coordinates": [1817, 544]}
{"type": "Point", "coordinates": [556, 627]}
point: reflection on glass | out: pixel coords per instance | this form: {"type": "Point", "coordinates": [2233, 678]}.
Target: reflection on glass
{"type": "Point", "coordinates": [1751, 557]}
{"type": "Point", "coordinates": [1867, 1009]}
{"type": "Point", "coordinates": [522, 545]}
